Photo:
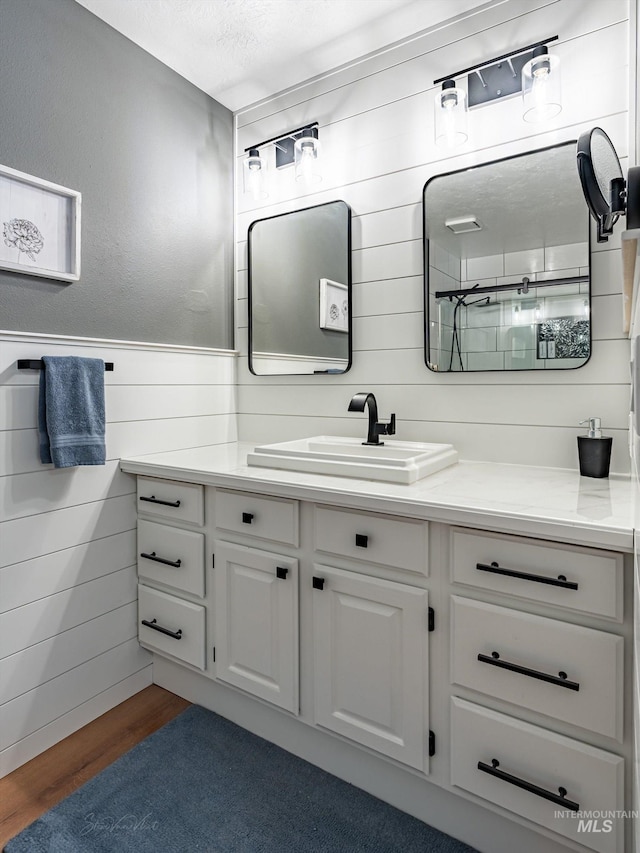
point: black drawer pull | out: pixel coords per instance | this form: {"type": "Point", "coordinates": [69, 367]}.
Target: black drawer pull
{"type": "Point", "coordinates": [152, 556]}
{"type": "Point", "coordinates": [318, 583]}
{"type": "Point", "coordinates": [526, 576]}
{"type": "Point", "coordinates": [362, 541]}
{"type": "Point", "coordinates": [282, 572]}
{"type": "Point", "coordinates": [247, 517]}
{"type": "Point", "coordinates": [559, 799]}
{"type": "Point", "coordinates": [560, 680]}
{"type": "Point", "coordinates": [154, 500]}
{"type": "Point", "coordinates": [177, 635]}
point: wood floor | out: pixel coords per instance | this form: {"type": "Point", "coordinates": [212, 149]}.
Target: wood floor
{"type": "Point", "coordinates": [38, 785]}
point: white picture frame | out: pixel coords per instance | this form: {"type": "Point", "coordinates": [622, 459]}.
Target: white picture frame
{"type": "Point", "coordinates": [39, 226]}
{"type": "Point", "coordinates": [334, 305]}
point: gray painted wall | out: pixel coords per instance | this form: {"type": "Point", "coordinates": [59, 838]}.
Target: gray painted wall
{"type": "Point", "coordinates": [82, 106]}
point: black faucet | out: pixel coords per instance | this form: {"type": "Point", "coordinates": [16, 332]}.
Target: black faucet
{"type": "Point", "coordinates": [357, 404]}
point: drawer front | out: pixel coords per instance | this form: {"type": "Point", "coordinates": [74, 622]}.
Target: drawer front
{"type": "Point", "coordinates": [171, 556]}
{"type": "Point", "coordinates": [542, 762]}
{"type": "Point", "coordinates": [272, 519]}
{"type": "Point", "coordinates": [566, 671]}
{"type": "Point", "coordinates": [182, 622]}
{"type": "Point", "coordinates": [168, 499]}
{"type": "Point", "coordinates": [581, 579]}
{"type": "Point", "coordinates": [393, 542]}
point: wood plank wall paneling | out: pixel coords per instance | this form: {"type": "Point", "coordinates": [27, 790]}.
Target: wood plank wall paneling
{"type": "Point", "coordinates": [376, 128]}
{"type": "Point", "coordinates": [68, 613]}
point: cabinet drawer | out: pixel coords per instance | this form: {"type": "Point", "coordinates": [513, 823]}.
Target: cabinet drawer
{"type": "Point", "coordinates": [182, 622]}
{"type": "Point", "coordinates": [393, 542]}
{"type": "Point", "coordinates": [581, 579]}
{"type": "Point", "coordinates": [171, 500]}
{"type": "Point", "coordinates": [273, 519]}
{"type": "Point", "coordinates": [565, 671]}
{"type": "Point", "coordinates": [543, 762]}
{"type": "Point", "coordinates": [171, 556]}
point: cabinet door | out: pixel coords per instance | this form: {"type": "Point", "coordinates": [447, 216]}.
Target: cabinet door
{"type": "Point", "coordinates": [256, 623]}
{"type": "Point", "coordinates": [371, 656]}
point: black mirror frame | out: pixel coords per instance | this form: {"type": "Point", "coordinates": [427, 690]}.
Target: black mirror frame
{"type": "Point", "coordinates": [349, 291]}
{"type": "Point", "coordinates": [425, 246]}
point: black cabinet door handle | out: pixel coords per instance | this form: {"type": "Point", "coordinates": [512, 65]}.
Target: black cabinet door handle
{"type": "Point", "coordinates": [177, 635]}
{"type": "Point", "coordinates": [154, 500]}
{"type": "Point", "coordinates": [152, 556]}
{"type": "Point", "coordinates": [282, 572]}
{"type": "Point", "coordinates": [495, 569]}
{"type": "Point", "coordinates": [362, 541]}
{"type": "Point", "coordinates": [560, 680]}
{"type": "Point", "coordinates": [559, 799]}
{"type": "Point", "coordinates": [318, 583]}
{"type": "Point", "coordinates": [247, 517]}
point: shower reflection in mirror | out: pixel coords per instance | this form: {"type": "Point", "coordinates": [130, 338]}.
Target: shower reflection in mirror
{"type": "Point", "coordinates": [507, 265]}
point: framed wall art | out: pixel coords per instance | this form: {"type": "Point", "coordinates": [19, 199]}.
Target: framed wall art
{"type": "Point", "coordinates": [334, 305]}
{"type": "Point", "coordinates": [39, 226]}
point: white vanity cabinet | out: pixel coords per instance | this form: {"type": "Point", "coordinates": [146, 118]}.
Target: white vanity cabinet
{"type": "Point", "coordinates": [255, 595]}
{"type": "Point", "coordinates": [490, 664]}
{"type": "Point", "coordinates": [369, 635]}
{"type": "Point", "coordinates": [561, 670]}
{"type": "Point", "coordinates": [171, 545]}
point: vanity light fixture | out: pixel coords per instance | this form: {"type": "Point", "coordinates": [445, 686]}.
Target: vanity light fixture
{"type": "Point", "coordinates": [299, 146]}
{"type": "Point", "coordinates": [530, 70]}
{"type": "Point", "coordinates": [450, 116]}
{"type": "Point", "coordinates": [254, 167]}
{"type": "Point", "coordinates": [306, 151]}
{"type": "Point", "coordinates": [541, 96]}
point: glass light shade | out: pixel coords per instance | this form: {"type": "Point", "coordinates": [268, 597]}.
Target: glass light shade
{"type": "Point", "coordinates": [254, 168]}
{"type": "Point", "coordinates": [541, 90]}
{"type": "Point", "coordinates": [306, 153]}
{"type": "Point", "coordinates": [451, 117]}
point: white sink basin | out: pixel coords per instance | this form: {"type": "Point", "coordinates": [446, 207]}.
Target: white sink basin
{"type": "Point", "coordinates": [391, 462]}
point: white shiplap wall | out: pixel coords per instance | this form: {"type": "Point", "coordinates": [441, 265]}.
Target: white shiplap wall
{"type": "Point", "coordinates": [376, 128]}
{"type": "Point", "coordinates": [68, 610]}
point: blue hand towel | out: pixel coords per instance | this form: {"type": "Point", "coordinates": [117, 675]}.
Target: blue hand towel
{"type": "Point", "coordinates": [71, 411]}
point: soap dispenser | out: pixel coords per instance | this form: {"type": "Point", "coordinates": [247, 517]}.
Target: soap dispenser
{"type": "Point", "coordinates": [594, 450]}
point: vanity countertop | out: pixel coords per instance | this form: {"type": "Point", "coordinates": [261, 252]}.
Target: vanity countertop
{"type": "Point", "coordinates": [549, 503]}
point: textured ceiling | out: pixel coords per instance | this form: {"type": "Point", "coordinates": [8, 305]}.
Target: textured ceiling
{"type": "Point", "coordinates": [241, 51]}
{"type": "Point", "coordinates": [522, 203]}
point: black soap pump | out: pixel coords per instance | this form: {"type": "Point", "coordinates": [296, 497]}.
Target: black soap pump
{"type": "Point", "coordinates": [594, 450]}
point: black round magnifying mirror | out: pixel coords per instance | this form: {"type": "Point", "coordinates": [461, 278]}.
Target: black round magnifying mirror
{"type": "Point", "coordinates": [600, 175]}
{"type": "Point", "coordinates": [607, 193]}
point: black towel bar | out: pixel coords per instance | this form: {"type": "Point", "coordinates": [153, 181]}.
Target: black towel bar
{"type": "Point", "coordinates": [38, 364]}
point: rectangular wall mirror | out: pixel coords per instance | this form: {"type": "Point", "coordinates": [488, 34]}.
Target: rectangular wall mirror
{"type": "Point", "coordinates": [507, 274]}
{"type": "Point", "coordinates": [300, 291]}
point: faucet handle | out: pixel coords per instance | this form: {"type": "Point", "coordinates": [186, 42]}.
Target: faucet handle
{"type": "Point", "coordinates": [387, 429]}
